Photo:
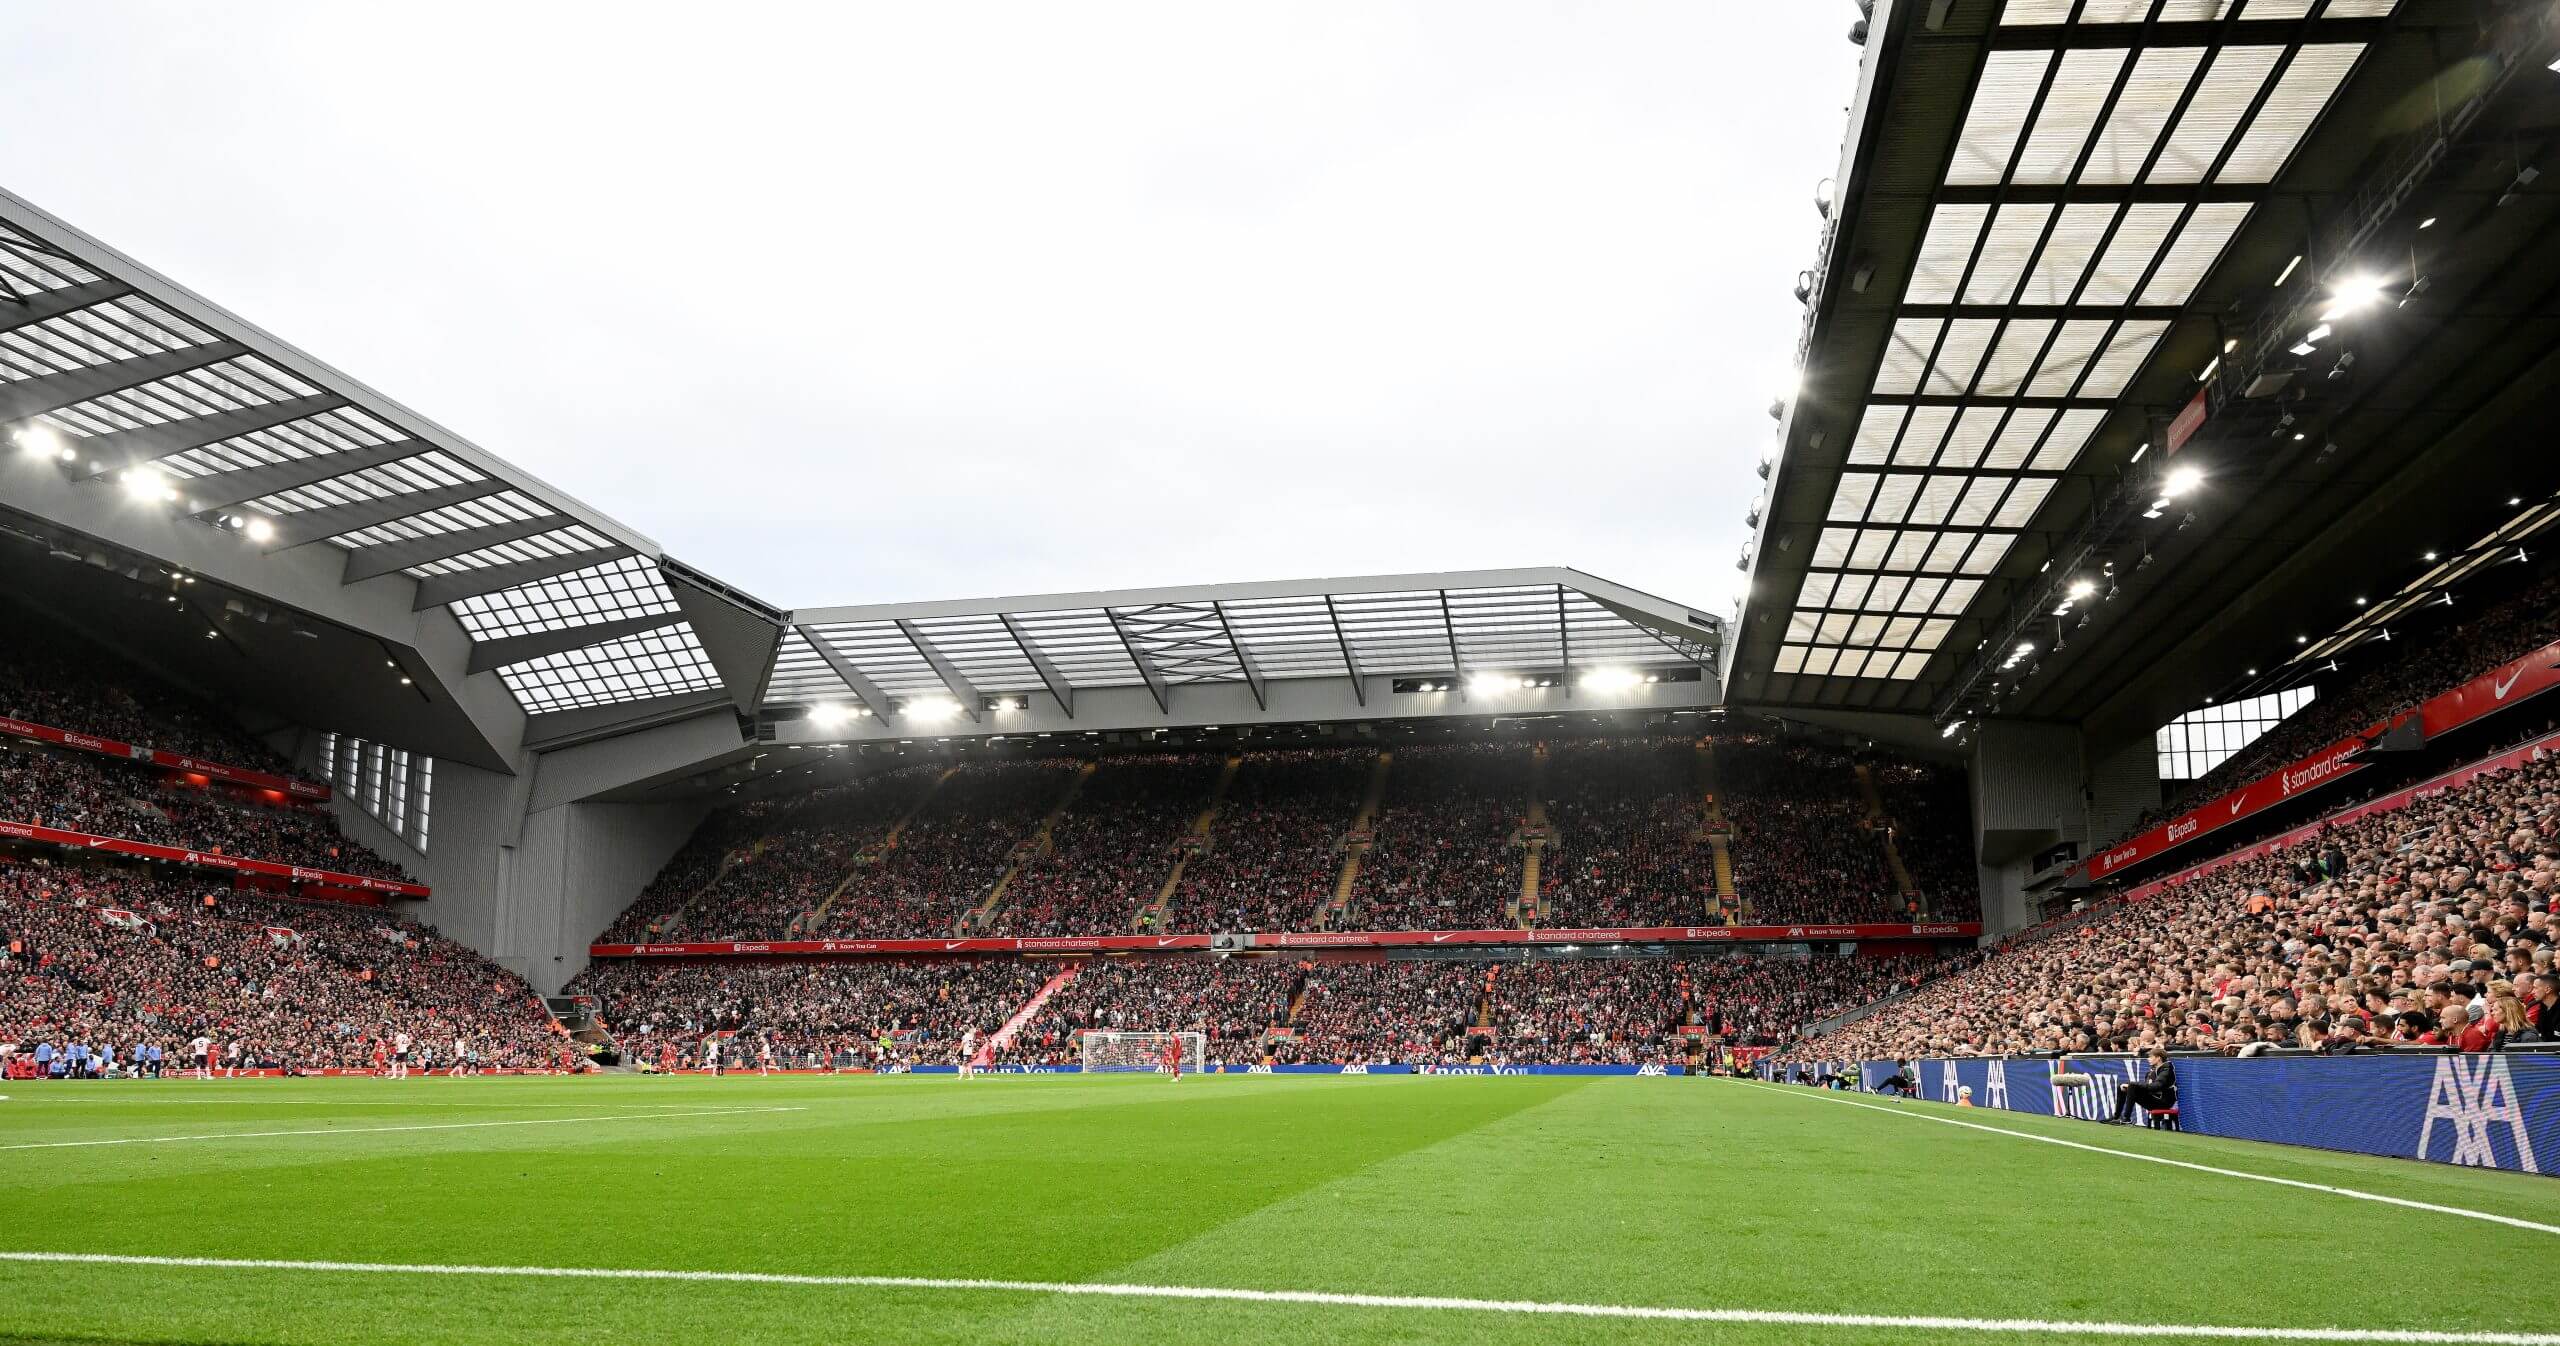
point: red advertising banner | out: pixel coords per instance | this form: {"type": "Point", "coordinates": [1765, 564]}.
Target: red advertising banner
{"type": "Point", "coordinates": [208, 860]}
{"type": "Point", "coordinates": [2494, 691]}
{"type": "Point", "coordinates": [2507, 685]}
{"type": "Point", "coordinates": [2462, 775]}
{"type": "Point", "coordinates": [107, 747]}
{"type": "Point", "coordinates": [1323, 939]}
{"type": "Point", "coordinates": [2189, 419]}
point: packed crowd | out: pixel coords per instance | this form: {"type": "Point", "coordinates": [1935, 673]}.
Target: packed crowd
{"type": "Point", "coordinates": [132, 968]}
{"type": "Point", "coordinates": [1933, 832]}
{"type": "Point", "coordinates": [1446, 853]}
{"type": "Point", "coordinates": [64, 682]}
{"type": "Point", "coordinates": [104, 796]}
{"type": "Point", "coordinates": [2406, 675]}
{"type": "Point", "coordinates": [875, 1014]}
{"type": "Point", "coordinates": [1229, 1001]}
{"type": "Point", "coordinates": [805, 850]}
{"type": "Point", "coordinates": [1112, 850]}
{"type": "Point", "coordinates": [1276, 850]}
{"type": "Point", "coordinates": [1800, 852]}
{"type": "Point", "coordinates": [949, 855]}
{"type": "Point", "coordinates": [2432, 925]}
{"type": "Point", "coordinates": [1384, 1012]}
{"type": "Point", "coordinates": [1627, 844]}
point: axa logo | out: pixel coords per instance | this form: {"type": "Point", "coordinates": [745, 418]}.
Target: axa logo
{"type": "Point", "coordinates": [1355, 1070]}
{"type": "Point", "coordinates": [1795, 932]}
{"type": "Point", "coordinates": [1258, 1070]}
{"type": "Point", "coordinates": [2470, 1095]}
{"type": "Point", "coordinates": [1995, 1087]}
{"type": "Point", "coordinates": [1651, 1070]}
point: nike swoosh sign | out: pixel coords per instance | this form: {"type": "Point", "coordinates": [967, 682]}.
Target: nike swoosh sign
{"type": "Point", "coordinates": [1163, 942]}
{"type": "Point", "coordinates": [1438, 938]}
{"type": "Point", "coordinates": [2235, 806]}
{"type": "Point", "coordinates": [949, 944]}
{"type": "Point", "coordinates": [2505, 685]}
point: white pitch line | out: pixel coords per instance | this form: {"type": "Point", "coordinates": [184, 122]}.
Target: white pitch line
{"type": "Point", "coordinates": [2508, 1220]}
{"type": "Point", "coordinates": [1778, 1317]}
{"type": "Point", "coordinates": [378, 1130]}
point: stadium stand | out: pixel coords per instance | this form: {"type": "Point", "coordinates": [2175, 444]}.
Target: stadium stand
{"type": "Point", "coordinates": [2382, 928]}
{"type": "Point", "coordinates": [1447, 854]}
{"type": "Point", "coordinates": [1629, 845]}
{"type": "Point", "coordinates": [2410, 671]}
{"type": "Point", "coordinates": [873, 1013]}
{"type": "Point", "coordinates": [109, 957]}
{"type": "Point", "coordinates": [1112, 850]}
{"type": "Point", "coordinates": [81, 792]}
{"type": "Point", "coordinates": [950, 854]}
{"type": "Point", "coordinates": [65, 682]}
{"type": "Point", "coordinates": [1276, 849]}
{"type": "Point", "coordinates": [1086, 846]}
{"type": "Point", "coordinates": [1801, 851]}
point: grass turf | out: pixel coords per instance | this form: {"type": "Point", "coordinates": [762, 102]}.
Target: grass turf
{"type": "Point", "coordinates": [1615, 1191]}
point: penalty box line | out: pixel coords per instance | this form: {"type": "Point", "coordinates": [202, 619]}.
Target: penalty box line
{"type": "Point", "coordinates": [383, 1130]}
{"type": "Point", "coordinates": [1754, 1317]}
{"type": "Point", "coordinates": [2402, 1201]}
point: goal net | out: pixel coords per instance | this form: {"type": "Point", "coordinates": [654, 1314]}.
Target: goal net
{"type": "Point", "coordinates": [1105, 1051]}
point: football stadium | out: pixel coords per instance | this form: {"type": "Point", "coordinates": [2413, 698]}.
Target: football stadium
{"type": "Point", "coordinates": [2098, 880]}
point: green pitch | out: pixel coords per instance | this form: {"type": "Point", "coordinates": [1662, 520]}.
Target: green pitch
{"type": "Point", "coordinates": [1602, 1192]}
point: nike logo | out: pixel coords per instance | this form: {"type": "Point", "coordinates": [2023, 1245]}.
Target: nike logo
{"type": "Point", "coordinates": [949, 944]}
{"type": "Point", "coordinates": [1437, 938]}
{"type": "Point", "coordinates": [2235, 806]}
{"type": "Point", "coordinates": [95, 842]}
{"type": "Point", "coordinates": [1163, 942]}
{"type": "Point", "coordinates": [2505, 685]}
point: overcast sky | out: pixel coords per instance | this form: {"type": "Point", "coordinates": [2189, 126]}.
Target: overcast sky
{"type": "Point", "coordinates": [856, 303]}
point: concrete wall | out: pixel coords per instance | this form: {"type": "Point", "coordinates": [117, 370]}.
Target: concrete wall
{"type": "Point", "coordinates": [576, 868]}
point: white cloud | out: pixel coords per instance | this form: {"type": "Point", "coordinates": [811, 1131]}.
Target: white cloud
{"type": "Point", "coordinates": [850, 303]}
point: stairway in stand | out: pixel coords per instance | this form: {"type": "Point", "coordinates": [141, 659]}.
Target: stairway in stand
{"type": "Point", "coordinates": [1151, 916]}
{"type": "Point", "coordinates": [1355, 844]}
{"type": "Point", "coordinates": [1728, 903]}
{"type": "Point", "coordinates": [1523, 912]}
{"type": "Point", "coordinates": [817, 920]}
{"type": "Point", "coordinates": [1021, 1018]}
{"type": "Point", "coordinates": [1882, 826]}
{"type": "Point", "coordinates": [667, 926]}
{"type": "Point", "coordinates": [1039, 844]}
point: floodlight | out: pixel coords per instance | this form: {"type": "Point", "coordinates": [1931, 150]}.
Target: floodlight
{"type": "Point", "coordinates": [1485, 684]}
{"type": "Point", "coordinates": [40, 441]}
{"type": "Point", "coordinates": [259, 530]}
{"type": "Point", "coordinates": [829, 714]}
{"type": "Point", "coordinates": [1609, 679]}
{"type": "Point", "coordinates": [2083, 588]}
{"type": "Point", "coordinates": [144, 483]}
{"type": "Point", "coordinates": [2352, 294]}
{"type": "Point", "coordinates": [932, 709]}
{"type": "Point", "coordinates": [2181, 480]}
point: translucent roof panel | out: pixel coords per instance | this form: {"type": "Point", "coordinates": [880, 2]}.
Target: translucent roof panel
{"type": "Point", "coordinates": [665, 662]}
{"type": "Point", "coordinates": [630, 587]}
{"type": "Point", "coordinates": [2301, 92]}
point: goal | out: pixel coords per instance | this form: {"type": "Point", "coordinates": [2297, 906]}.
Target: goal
{"type": "Point", "coordinates": [1106, 1051]}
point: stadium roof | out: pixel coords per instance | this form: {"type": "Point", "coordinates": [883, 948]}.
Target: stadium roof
{"type": "Point", "coordinates": [126, 375]}
{"type": "Point", "coordinates": [1459, 627]}
{"type": "Point", "coordinates": [2051, 217]}
{"type": "Point", "coordinates": [165, 441]}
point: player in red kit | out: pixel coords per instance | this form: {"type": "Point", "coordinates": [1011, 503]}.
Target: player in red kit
{"type": "Point", "coordinates": [1173, 1059]}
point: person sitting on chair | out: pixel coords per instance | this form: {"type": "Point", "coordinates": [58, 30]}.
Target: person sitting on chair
{"type": "Point", "coordinates": [2157, 1092]}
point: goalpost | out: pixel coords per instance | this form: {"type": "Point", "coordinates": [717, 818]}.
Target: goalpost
{"type": "Point", "coordinates": [1105, 1051]}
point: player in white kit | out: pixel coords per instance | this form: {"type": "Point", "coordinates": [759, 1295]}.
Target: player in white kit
{"type": "Point", "coordinates": [969, 1052]}
{"type": "Point", "coordinates": [400, 1043]}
